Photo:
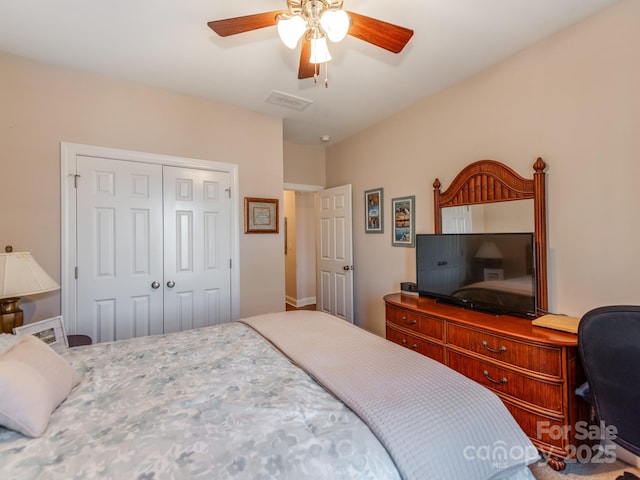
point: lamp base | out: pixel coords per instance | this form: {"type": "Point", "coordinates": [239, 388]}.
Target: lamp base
{"type": "Point", "coordinates": [10, 314]}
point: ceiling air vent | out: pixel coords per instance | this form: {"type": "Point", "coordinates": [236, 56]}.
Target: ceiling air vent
{"type": "Point", "coordinates": [288, 101]}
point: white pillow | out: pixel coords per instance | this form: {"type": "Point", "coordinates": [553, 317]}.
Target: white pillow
{"type": "Point", "coordinates": [7, 342]}
{"type": "Point", "coordinates": [35, 380]}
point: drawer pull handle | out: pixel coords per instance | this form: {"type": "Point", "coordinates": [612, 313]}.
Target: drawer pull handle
{"type": "Point", "coordinates": [500, 350]}
{"type": "Point", "coordinates": [406, 322]}
{"type": "Point", "coordinates": [502, 380]}
{"type": "Point", "coordinates": [404, 342]}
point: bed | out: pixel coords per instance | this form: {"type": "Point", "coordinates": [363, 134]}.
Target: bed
{"type": "Point", "coordinates": [292, 395]}
{"type": "Point", "coordinates": [510, 295]}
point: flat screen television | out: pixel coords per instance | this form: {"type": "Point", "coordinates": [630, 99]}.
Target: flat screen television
{"type": "Point", "coordinates": [491, 272]}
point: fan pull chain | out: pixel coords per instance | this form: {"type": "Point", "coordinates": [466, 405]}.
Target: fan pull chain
{"type": "Point", "coordinates": [326, 74]}
{"type": "Point", "coordinates": [316, 74]}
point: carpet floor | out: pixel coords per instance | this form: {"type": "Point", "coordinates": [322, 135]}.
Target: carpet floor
{"type": "Point", "coordinates": [581, 471]}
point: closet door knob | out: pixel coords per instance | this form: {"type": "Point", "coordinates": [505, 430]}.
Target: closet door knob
{"type": "Point", "coordinates": [155, 285]}
{"type": "Point", "coordinates": [171, 284]}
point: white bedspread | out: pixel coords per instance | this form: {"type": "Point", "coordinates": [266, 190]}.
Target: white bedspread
{"type": "Point", "coordinates": [436, 423]}
{"type": "Point", "coordinates": [221, 403]}
{"type": "Point", "coordinates": [217, 403]}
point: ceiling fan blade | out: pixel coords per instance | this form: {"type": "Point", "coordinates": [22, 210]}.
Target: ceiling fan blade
{"type": "Point", "coordinates": [382, 34]}
{"type": "Point", "coordinates": [306, 69]}
{"type": "Point", "coordinates": [231, 26]}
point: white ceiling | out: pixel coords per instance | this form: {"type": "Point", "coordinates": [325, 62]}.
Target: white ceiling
{"type": "Point", "coordinates": [166, 43]}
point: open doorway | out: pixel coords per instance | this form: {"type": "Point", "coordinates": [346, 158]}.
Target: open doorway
{"type": "Point", "coordinates": [300, 248]}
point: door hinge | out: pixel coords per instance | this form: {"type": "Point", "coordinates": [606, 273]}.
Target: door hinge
{"type": "Point", "coordinates": [76, 272]}
{"type": "Point", "coordinates": [230, 263]}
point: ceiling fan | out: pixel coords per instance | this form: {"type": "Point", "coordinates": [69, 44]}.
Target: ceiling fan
{"type": "Point", "coordinates": [314, 21]}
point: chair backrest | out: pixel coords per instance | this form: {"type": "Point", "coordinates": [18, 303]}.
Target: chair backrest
{"type": "Point", "coordinates": [609, 345]}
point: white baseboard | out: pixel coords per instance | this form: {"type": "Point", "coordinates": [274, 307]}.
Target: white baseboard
{"type": "Point", "coordinates": [300, 302]}
{"type": "Point", "coordinates": [621, 453]}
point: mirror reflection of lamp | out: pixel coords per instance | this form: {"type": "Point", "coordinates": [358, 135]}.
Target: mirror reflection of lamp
{"type": "Point", "coordinates": [490, 259]}
{"type": "Point", "coordinates": [20, 276]}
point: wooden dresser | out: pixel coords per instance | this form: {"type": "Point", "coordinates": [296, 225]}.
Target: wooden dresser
{"type": "Point", "coordinates": [534, 370]}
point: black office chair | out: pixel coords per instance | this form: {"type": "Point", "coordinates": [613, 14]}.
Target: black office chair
{"type": "Point", "coordinates": [609, 345]}
{"type": "Point", "coordinates": [627, 476]}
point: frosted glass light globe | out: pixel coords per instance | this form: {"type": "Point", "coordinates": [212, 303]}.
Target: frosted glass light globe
{"type": "Point", "coordinates": [291, 29]}
{"type": "Point", "coordinates": [336, 24]}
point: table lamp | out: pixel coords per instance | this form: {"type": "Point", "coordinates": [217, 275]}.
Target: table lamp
{"type": "Point", "coordinates": [20, 276]}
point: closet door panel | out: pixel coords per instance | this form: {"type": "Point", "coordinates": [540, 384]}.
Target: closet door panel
{"type": "Point", "coordinates": [197, 248]}
{"type": "Point", "coordinates": [119, 238]}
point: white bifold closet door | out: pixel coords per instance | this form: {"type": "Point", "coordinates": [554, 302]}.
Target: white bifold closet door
{"type": "Point", "coordinates": [153, 248]}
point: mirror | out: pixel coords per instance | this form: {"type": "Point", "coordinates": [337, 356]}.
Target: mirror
{"type": "Point", "coordinates": [487, 195]}
{"type": "Point", "coordinates": [506, 217]}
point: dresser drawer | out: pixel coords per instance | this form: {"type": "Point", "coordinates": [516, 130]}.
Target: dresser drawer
{"type": "Point", "coordinates": [547, 395]}
{"type": "Point", "coordinates": [431, 350]}
{"type": "Point", "coordinates": [540, 359]}
{"type": "Point", "coordinates": [547, 433]}
{"type": "Point", "coordinates": [426, 325]}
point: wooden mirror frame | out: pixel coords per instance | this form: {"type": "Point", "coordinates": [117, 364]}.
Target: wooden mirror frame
{"type": "Point", "coordinates": [489, 181]}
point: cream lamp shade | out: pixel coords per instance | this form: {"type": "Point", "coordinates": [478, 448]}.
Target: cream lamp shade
{"type": "Point", "coordinates": [489, 250]}
{"type": "Point", "coordinates": [20, 276]}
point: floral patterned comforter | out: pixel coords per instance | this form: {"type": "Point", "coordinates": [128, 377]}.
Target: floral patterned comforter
{"type": "Point", "coordinates": [211, 403]}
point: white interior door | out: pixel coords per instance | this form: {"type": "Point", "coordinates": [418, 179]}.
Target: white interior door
{"type": "Point", "coordinates": [457, 219]}
{"type": "Point", "coordinates": [335, 252]}
{"type": "Point", "coordinates": [197, 275]}
{"type": "Point", "coordinates": [119, 248]}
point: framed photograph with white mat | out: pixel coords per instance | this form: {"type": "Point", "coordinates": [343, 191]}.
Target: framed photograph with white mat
{"type": "Point", "coordinates": [404, 214]}
{"type": "Point", "coordinates": [50, 331]}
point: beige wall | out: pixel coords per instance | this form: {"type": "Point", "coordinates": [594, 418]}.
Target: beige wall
{"type": "Point", "coordinates": [305, 248]}
{"type": "Point", "coordinates": [304, 164]}
{"type": "Point", "coordinates": [574, 100]}
{"type": "Point", "coordinates": [300, 260]}
{"type": "Point", "coordinates": [290, 274]}
{"type": "Point", "coordinates": [42, 106]}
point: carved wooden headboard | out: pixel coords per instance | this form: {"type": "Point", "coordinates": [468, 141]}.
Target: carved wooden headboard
{"type": "Point", "coordinates": [489, 181]}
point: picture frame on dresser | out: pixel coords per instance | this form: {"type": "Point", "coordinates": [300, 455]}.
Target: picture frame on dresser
{"type": "Point", "coordinates": [50, 331]}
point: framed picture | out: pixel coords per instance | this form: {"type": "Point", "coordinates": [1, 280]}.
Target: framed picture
{"type": "Point", "coordinates": [404, 229]}
{"type": "Point", "coordinates": [260, 215]}
{"type": "Point", "coordinates": [50, 331]}
{"type": "Point", "coordinates": [373, 211]}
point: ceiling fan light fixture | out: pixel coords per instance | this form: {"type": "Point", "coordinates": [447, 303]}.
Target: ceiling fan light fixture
{"type": "Point", "coordinates": [336, 24]}
{"type": "Point", "coordinates": [319, 50]}
{"type": "Point", "coordinates": [314, 21]}
{"type": "Point", "coordinates": [291, 28]}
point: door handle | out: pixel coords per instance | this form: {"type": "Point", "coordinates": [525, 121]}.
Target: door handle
{"type": "Point", "coordinates": [171, 284]}
{"type": "Point", "coordinates": [347, 267]}
{"type": "Point", "coordinates": [155, 285]}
